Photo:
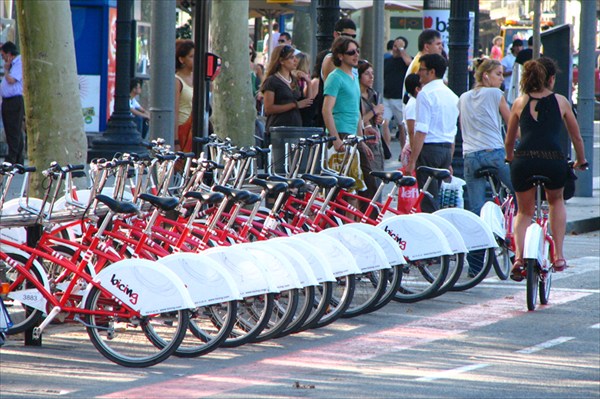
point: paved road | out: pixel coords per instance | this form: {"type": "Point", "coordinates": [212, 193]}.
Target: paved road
{"type": "Point", "coordinates": [477, 344]}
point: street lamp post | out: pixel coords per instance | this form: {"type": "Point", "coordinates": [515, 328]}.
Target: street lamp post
{"type": "Point", "coordinates": [458, 74]}
{"type": "Point", "coordinates": [328, 12]}
{"type": "Point", "coordinates": [121, 134]}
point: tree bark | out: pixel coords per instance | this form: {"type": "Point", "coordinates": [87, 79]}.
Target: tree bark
{"type": "Point", "coordinates": [303, 31]}
{"type": "Point", "coordinates": [54, 117]}
{"type": "Point", "coordinates": [233, 112]}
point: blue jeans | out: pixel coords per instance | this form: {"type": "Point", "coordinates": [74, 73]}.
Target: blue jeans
{"type": "Point", "coordinates": [476, 186]}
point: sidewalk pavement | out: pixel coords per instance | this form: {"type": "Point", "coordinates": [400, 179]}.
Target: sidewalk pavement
{"type": "Point", "coordinates": [583, 213]}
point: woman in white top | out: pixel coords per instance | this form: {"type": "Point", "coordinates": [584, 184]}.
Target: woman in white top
{"type": "Point", "coordinates": [184, 93]}
{"type": "Point", "coordinates": [482, 110]}
{"type": "Point", "coordinates": [412, 87]}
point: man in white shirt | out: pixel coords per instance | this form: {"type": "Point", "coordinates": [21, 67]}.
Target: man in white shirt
{"type": "Point", "coordinates": [435, 128]}
{"type": "Point", "coordinates": [508, 63]}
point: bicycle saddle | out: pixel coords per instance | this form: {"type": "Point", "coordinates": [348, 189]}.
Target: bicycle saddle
{"type": "Point", "coordinates": [434, 172]}
{"type": "Point", "coordinates": [321, 181]}
{"type": "Point", "coordinates": [207, 198]}
{"type": "Point", "coordinates": [163, 203]}
{"type": "Point", "coordinates": [538, 179]}
{"type": "Point", "coordinates": [117, 206]}
{"type": "Point", "coordinates": [387, 176]}
{"type": "Point", "coordinates": [487, 171]}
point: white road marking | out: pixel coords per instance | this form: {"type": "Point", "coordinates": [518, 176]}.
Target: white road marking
{"type": "Point", "coordinates": [452, 373]}
{"type": "Point", "coordinates": [545, 345]}
{"type": "Point", "coordinates": [597, 326]}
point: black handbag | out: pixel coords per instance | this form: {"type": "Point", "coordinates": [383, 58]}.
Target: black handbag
{"type": "Point", "coordinates": [569, 190]}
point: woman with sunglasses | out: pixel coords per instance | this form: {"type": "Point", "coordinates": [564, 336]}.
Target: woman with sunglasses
{"type": "Point", "coordinates": [282, 96]}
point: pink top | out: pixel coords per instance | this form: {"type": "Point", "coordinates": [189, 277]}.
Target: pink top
{"type": "Point", "coordinates": [496, 53]}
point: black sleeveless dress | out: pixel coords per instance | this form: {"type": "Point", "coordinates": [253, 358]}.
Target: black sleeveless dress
{"type": "Point", "coordinates": [540, 152]}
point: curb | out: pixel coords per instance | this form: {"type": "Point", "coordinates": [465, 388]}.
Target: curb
{"type": "Point", "coordinates": [583, 225]}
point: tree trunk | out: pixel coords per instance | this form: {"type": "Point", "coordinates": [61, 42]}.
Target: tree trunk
{"type": "Point", "coordinates": [54, 118]}
{"type": "Point", "coordinates": [366, 34]}
{"type": "Point", "coordinates": [233, 112]}
{"type": "Point", "coordinates": [303, 32]}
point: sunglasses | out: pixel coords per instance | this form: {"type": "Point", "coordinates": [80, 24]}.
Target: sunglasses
{"type": "Point", "coordinates": [286, 50]}
{"type": "Point", "coordinates": [352, 52]}
{"type": "Point", "coordinates": [347, 34]}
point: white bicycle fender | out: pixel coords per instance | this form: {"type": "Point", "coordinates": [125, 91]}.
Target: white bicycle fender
{"type": "Point", "coordinates": [341, 260]}
{"type": "Point", "coordinates": [305, 273]}
{"type": "Point", "coordinates": [11, 208]}
{"type": "Point", "coordinates": [146, 286]}
{"type": "Point", "coordinates": [455, 240]}
{"type": "Point", "coordinates": [368, 254]}
{"type": "Point", "coordinates": [31, 297]}
{"type": "Point", "coordinates": [319, 265]}
{"type": "Point", "coordinates": [207, 282]}
{"type": "Point", "coordinates": [474, 231]}
{"type": "Point", "coordinates": [275, 264]}
{"type": "Point", "coordinates": [388, 245]}
{"type": "Point", "coordinates": [418, 238]}
{"type": "Point", "coordinates": [492, 215]}
{"type": "Point", "coordinates": [533, 247]}
{"type": "Point", "coordinates": [242, 266]}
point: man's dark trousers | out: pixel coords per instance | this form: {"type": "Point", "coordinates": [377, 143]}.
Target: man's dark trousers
{"type": "Point", "coordinates": [13, 112]}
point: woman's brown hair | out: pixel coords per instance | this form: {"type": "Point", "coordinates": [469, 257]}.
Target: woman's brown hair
{"type": "Point", "coordinates": [182, 48]}
{"type": "Point", "coordinates": [534, 77]}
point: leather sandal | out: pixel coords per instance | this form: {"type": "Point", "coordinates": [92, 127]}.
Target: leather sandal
{"type": "Point", "coordinates": [559, 264]}
{"type": "Point", "coordinates": [517, 272]}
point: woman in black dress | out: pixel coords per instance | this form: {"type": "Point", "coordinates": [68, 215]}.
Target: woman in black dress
{"type": "Point", "coordinates": [283, 97]}
{"type": "Point", "coordinates": [539, 113]}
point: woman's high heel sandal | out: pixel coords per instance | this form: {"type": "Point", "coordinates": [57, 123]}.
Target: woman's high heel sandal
{"type": "Point", "coordinates": [518, 270]}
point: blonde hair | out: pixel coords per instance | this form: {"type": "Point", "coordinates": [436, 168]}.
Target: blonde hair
{"type": "Point", "coordinates": [303, 63]}
{"type": "Point", "coordinates": [496, 39]}
{"type": "Point", "coordinates": [486, 65]}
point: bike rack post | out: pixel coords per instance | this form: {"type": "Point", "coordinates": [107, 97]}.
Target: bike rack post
{"type": "Point", "coordinates": [34, 233]}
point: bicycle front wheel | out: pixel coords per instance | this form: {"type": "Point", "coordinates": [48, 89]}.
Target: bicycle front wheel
{"type": "Point", "coordinates": [129, 341]}
{"type": "Point", "coordinates": [533, 283]}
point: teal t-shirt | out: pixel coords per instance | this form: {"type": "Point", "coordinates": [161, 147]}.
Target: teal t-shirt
{"type": "Point", "coordinates": [346, 90]}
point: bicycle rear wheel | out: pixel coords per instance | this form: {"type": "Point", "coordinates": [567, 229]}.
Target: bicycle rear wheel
{"type": "Point", "coordinates": [545, 285]}
{"type": "Point", "coordinates": [455, 266]}
{"type": "Point", "coordinates": [253, 314]}
{"type": "Point", "coordinates": [129, 341]}
{"type": "Point", "coordinates": [306, 300]}
{"type": "Point", "coordinates": [422, 278]}
{"type": "Point", "coordinates": [320, 305]}
{"type": "Point", "coordinates": [476, 267]}
{"type": "Point", "coordinates": [23, 317]}
{"type": "Point", "coordinates": [204, 335]}
{"type": "Point", "coordinates": [343, 291]}
{"type": "Point", "coordinates": [533, 283]}
{"type": "Point", "coordinates": [394, 280]}
{"type": "Point", "coordinates": [502, 260]}
{"type": "Point", "coordinates": [284, 309]}
{"type": "Point", "coordinates": [368, 289]}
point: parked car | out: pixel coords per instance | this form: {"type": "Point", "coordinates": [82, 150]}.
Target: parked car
{"type": "Point", "coordinates": [596, 72]}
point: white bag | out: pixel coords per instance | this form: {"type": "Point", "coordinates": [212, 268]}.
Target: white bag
{"type": "Point", "coordinates": [451, 193]}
